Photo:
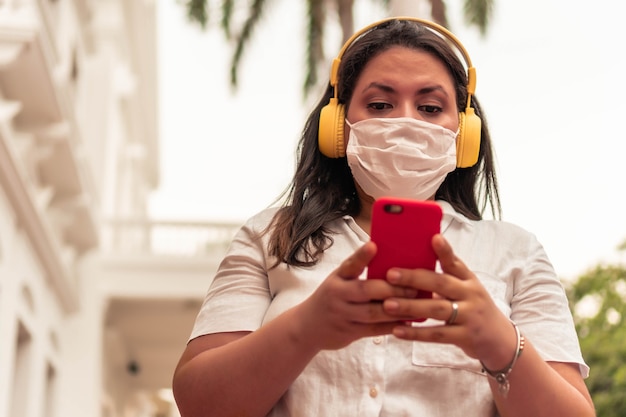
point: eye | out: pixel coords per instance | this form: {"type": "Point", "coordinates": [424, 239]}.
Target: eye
{"type": "Point", "coordinates": [430, 109]}
{"type": "Point", "coordinates": [379, 106]}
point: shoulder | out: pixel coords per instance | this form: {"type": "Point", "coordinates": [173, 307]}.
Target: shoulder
{"type": "Point", "coordinates": [258, 224]}
{"type": "Point", "coordinates": [497, 237]}
{"type": "Point", "coordinates": [262, 219]}
{"type": "Point", "coordinates": [502, 227]}
{"type": "Point", "coordinates": [489, 226]}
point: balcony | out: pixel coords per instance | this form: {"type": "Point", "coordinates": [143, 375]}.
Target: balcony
{"type": "Point", "coordinates": [43, 170]}
{"type": "Point", "coordinates": [152, 276]}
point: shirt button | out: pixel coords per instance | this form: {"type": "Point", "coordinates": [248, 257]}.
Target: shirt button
{"type": "Point", "coordinates": [373, 392]}
{"type": "Point", "coordinates": [378, 340]}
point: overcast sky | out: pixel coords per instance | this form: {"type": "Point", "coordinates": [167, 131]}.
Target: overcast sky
{"type": "Point", "coordinates": [549, 77]}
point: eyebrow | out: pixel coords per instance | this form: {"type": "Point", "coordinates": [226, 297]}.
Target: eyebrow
{"type": "Point", "coordinates": [388, 89]}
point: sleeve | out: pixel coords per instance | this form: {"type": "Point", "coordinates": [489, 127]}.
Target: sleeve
{"type": "Point", "coordinates": [541, 310]}
{"type": "Point", "coordinates": [239, 295]}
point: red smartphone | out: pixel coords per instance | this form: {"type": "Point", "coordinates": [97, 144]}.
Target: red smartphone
{"type": "Point", "coordinates": [403, 230]}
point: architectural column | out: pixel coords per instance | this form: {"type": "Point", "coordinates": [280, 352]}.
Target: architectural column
{"type": "Point", "coordinates": [80, 343]}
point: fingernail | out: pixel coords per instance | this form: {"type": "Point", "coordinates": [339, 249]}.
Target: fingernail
{"type": "Point", "coordinates": [393, 276]}
{"type": "Point", "coordinates": [399, 331]}
{"type": "Point", "coordinates": [391, 305]}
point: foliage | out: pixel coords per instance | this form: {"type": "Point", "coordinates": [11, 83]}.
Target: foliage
{"type": "Point", "coordinates": [476, 12]}
{"type": "Point", "coordinates": [598, 302]}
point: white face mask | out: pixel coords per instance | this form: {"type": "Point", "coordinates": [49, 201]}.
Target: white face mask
{"type": "Point", "coordinates": [400, 157]}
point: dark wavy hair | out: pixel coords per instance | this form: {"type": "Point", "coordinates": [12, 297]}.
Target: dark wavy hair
{"type": "Point", "coordinates": [323, 189]}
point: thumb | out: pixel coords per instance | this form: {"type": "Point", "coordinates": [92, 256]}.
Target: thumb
{"type": "Point", "coordinates": [450, 263]}
{"type": "Point", "coordinates": [353, 266]}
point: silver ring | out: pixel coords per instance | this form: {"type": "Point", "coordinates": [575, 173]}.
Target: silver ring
{"type": "Point", "coordinates": [455, 312]}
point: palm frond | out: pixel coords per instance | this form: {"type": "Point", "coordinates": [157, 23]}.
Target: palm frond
{"type": "Point", "coordinates": [314, 42]}
{"type": "Point", "coordinates": [256, 11]}
{"type": "Point", "coordinates": [478, 13]}
{"type": "Point", "coordinates": [197, 11]}
{"type": "Point", "coordinates": [227, 13]}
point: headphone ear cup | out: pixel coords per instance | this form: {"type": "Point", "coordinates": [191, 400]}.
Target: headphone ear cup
{"type": "Point", "coordinates": [330, 132]}
{"type": "Point", "coordinates": [468, 139]}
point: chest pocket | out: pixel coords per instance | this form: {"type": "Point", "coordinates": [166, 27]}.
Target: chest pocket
{"type": "Point", "coordinates": [443, 356]}
{"type": "Point", "coordinates": [451, 356]}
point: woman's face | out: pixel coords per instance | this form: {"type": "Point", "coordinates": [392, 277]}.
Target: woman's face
{"type": "Point", "coordinates": [404, 82]}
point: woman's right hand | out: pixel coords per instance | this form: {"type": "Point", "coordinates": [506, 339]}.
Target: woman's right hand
{"type": "Point", "coordinates": [345, 308]}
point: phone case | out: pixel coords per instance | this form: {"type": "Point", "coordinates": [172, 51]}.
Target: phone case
{"type": "Point", "coordinates": [402, 230]}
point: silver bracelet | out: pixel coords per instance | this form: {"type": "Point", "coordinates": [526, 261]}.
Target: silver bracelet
{"type": "Point", "coordinates": [502, 376]}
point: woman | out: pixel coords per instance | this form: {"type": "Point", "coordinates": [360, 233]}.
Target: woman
{"type": "Point", "coordinates": [288, 328]}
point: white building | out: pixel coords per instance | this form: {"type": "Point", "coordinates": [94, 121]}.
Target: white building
{"type": "Point", "coordinates": [96, 301]}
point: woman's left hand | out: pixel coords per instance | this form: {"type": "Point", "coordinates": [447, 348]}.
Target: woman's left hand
{"type": "Point", "coordinates": [479, 327]}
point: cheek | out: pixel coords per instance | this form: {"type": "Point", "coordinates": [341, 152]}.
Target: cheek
{"type": "Point", "coordinates": [453, 124]}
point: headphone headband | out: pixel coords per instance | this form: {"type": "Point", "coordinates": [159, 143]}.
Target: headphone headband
{"type": "Point", "coordinates": [434, 27]}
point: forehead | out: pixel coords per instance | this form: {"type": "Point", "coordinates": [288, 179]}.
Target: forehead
{"type": "Point", "coordinates": [404, 65]}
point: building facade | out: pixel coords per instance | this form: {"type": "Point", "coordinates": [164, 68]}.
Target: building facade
{"type": "Point", "coordinates": [93, 310]}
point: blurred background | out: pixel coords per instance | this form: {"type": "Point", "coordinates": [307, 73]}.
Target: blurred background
{"type": "Point", "coordinates": [135, 139]}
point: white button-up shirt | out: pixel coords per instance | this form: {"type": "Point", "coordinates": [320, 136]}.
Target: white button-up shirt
{"type": "Point", "coordinates": [385, 376]}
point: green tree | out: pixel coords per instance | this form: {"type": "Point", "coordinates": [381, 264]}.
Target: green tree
{"type": "Point", "coordinates": [598, 302]}
{"type": "Point", "coordinates": [476, 13]}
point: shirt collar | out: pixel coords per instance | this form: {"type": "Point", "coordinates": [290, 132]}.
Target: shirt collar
{"type": "Point", "coordinates": [449, 215]}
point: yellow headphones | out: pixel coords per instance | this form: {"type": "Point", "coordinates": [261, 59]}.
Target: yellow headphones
{"type": "Point", "coordinates": [332, 116]}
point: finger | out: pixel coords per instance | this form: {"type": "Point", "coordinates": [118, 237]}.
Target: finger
{"type": "Point", "coordinates": [363, 291]}
{"type": "Point", "coordinates": [448, 260]}
{"type": "Point", "coordinates": [377, 329]}
{"type": "Point", "coordinates": [371, 313]}
{"type": "Point", "coordinates": [445, 285]}
{"type": "Point", "coordinates": [436, 308]}
{"type": "Point", "coordinates": [438, 334]}
{"type": "Point", "coordinates": [354, 265]}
